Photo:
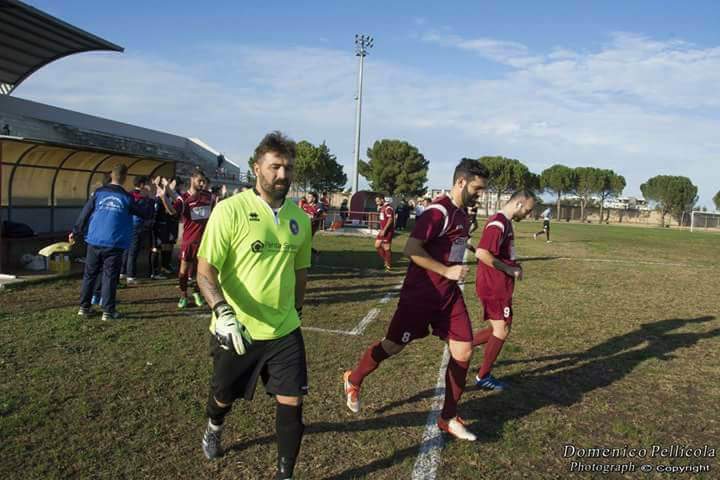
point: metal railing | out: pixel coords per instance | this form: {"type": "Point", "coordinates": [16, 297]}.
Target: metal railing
{"type": "Point", "coordinates": [334, 220]}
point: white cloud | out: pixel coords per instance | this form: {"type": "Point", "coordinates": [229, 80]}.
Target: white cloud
{"type": "Point", "coordinates": [510, 53]}
{"type": "Point", "coordinates": [638, 105]}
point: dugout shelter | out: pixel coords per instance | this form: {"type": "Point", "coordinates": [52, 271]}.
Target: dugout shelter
{"type": "Point", "coordinates": [52, 159]}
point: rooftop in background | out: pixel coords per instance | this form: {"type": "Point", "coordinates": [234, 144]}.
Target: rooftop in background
{"type": "Point", "coordinates": [30, 39]}
{"type": "Point", "coordinates": [42, 123]}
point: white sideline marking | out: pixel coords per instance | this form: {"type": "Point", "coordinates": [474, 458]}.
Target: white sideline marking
{"type": "Point", "coordinates": [363, 324]}
{"type": "Point", "coordinates": [633, 262]}
{"type": "Point", "coordinates": [327, 330]}
{"type": "Point", "coordinates": [360, 327]}
{"type": "Point", "coordinates": [428, 458]}
{"type": "Point", "coordinates": [609, 260]}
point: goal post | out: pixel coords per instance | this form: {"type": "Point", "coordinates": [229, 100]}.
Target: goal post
{"type": "Point", "coordinates": [704, 220]}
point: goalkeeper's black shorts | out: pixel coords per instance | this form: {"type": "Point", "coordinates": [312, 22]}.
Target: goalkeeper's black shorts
{"type": "Point", "coordinates": [280, 363]}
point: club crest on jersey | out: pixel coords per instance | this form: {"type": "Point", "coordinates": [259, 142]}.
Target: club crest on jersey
{"type": "Point", "coordinates": [294, 227]}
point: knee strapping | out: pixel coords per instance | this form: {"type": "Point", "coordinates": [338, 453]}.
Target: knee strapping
{"type": "Point", "coordinates": [215, 412]}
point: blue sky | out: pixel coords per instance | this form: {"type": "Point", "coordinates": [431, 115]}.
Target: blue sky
{"type": "Point", "coordinates": [631, 86]}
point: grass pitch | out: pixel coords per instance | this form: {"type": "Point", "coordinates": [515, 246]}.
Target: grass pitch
{"type": "Point", "coordinates": [615, 344]}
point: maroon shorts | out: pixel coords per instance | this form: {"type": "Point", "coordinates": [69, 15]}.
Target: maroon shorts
{"type": "Point", "coordinates": [387, 238]}
{"type": "Point", "coordinates": [189, 251]}
{"type": "Point", "coordinates": [497, 309]}
{"type": "Point", "coordinates": [413, 321]}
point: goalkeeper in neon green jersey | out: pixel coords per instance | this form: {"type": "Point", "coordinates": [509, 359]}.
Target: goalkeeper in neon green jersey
{"type": "Point", "coordinates": [252, 271]}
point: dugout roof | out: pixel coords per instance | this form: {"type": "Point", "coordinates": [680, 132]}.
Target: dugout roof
{"type": "Point", "coordinates": [30, 39]}
{"type": "Point", "coordinates": [51, 159]}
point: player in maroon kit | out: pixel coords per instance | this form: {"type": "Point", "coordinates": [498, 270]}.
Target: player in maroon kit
{"type": "Point", "coordinates": [315, 211]}
{"type": "Point", "coordinates": [496, 274]}
{"type": "Point", "coordinates": [430, 295]}
{"type": "Point", "coordinates": [383, 241]}
{"type": "Point", "coordinates": [193, 208]}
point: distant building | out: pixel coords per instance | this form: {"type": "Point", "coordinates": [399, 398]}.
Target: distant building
{"type": "Point", "coordinates": [627, 203]}
{"type": "Point", "coordinates": [486, 200]}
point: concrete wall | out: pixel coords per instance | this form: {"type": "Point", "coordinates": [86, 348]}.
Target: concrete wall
{"type": "Point", "coordinates": [613, 215]}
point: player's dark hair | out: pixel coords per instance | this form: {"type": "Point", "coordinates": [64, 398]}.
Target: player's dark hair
{"type": "Point", "coordinates": [277, 143]}
{"type": "Point", "coordinates": [468, 169]}
{"type": "Point", "coordinates": [120, 170]}
{"type": "Point", "coordinates": [141, 181]}
{"type": "Point", "coordinates": [314, 195]}
{"type": "Point", "coordinates": [178, 181]}
{"type": "Point", "coordinates": [523, 194]}
{"type": "Point", "coordinates": [199, 172]}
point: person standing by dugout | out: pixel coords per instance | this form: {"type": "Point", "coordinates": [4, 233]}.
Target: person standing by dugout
{"type": "Point", "coordinates": [107, 217]}
{"type": "Point", "coordinates": [252, 270]}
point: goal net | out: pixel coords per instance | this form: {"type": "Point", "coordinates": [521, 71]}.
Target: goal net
{"type": "Point", "coordinates": [704, 221]}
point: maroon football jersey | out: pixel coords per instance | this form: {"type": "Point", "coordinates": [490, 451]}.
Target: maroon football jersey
{"type": "Point", "coordinates": [443, 228]}
{"type": "Point", "coordinates": [311, 209]}
{"type": "Point", "coordinates": [497, 238]}
{"type": "Point", "coordinates": [386, 215]}
{"type": "Point", "coordinates": [194, 211]}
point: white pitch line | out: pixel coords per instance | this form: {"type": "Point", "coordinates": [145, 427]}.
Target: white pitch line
{"type": "Point", "coordinates": [428, 459]}
{"type": "Point", "coordinates": [360, 327]}
{"type": "Point", "coordinates": [327, 330]}
{"type": "Point", "coordinates": [363, 324]}
{"type": "Point", "coordinates": [608, 260]}
{"type": "Point", "coordinates": [626, 262]}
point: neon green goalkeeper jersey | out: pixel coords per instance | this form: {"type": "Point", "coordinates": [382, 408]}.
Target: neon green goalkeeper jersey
{"type": "Point", "coordinates": [256, 252]}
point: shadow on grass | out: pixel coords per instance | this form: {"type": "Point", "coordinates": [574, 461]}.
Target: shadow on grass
{"type": "Point", "coordinates": [171, 312]}
{"type": "Point", "coordinates": [582, 372]}
{"type": "Point", "coordinates": [155, 300]}
{"type": "Point", "coordinates": [364, 259]}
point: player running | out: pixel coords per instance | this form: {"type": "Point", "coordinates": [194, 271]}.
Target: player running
{"type": "Point", "coordinates": [253, 266]}
{"type": "Point", "coordinates": [193, 208]}
{"type": "Point", "coordinates": [430, 296]}
{"type": "Point", "coordinates": [495, 281]}
{"type": "Point", "coordinates": [547, 215]}
{"type": "Point", "coordinates": [383, 241]}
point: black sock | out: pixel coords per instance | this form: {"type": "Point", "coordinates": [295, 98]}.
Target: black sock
{"type": "Point", "coordinates": [215, 412]}
{"type": "Point", "coordinates": [289, 428]}
{"type": "Point", "coordinates": [166, 259]}
{"type": "Point", "coordinates": [154, 263]}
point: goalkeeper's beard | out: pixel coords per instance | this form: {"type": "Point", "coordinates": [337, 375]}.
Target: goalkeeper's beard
{"type": "Point", "coordinates": [275, 190]}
